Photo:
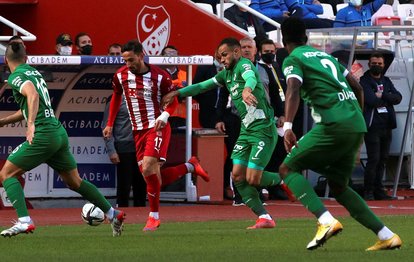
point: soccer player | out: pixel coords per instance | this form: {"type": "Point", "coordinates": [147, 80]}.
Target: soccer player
{"type": "Point", "coordinates": [257, 138]}
{"type": "Point", "coordinates": [46, 142]}
{"type": "Point", "coordinates": [330, 148]}
{"type": "Point", "coordinates": [143, 86]}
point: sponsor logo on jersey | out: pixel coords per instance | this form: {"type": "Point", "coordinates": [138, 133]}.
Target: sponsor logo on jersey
{"type": "Point", "coordinates": [153, 29]}
{"type": "Point", "coordinates": [288, 70]}
{"type": "Point", "coordinates": [314, 54]}
{"type": "Point", "coordinates": [101, 175]}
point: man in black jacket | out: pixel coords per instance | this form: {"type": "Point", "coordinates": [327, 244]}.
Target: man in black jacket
{"type": "Point", "coordinates": [380, 96]}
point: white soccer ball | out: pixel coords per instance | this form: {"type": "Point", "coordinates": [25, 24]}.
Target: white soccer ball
{"type": "Point", "coordinates": [92, 215]}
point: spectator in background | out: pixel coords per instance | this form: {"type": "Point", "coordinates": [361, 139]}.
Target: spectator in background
{"type": "Point", "coordinates": [83, 44]}
{"type": "Point", "coordinates": [380, 96]}
{"type": "Point", "coordinates": [308, 11]}
{"type": "Point", "coordinates": [179, 80]}
{"type": "Point", "coordinates": [333, 3]}
{"type": "Point", "coordinates": [63, 44]}
{"type": "Point", "coordinates": [121, 152]}
{"type": "Point", "coordinates": [114, 49]}
{"type": "Point", "coordinates": [357, 14]}
{"type": "Point", "coordinates": [246, 21]}
{"type": "Point", "coordinates": [275, 10]}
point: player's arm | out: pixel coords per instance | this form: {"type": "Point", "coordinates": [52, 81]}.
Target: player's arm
{"type": "Point", "coordinates": [29, 91]}
{"type": "Point", "coordinates": [357, 88]}
{"type": "Point", "coordinates": [249, 86]}
{"type": "Point", "coordinates": [13, 118]}
{"type": "Point", "coordinates": [113, 107]}
{"type": "Point", "coordinates": [291, 107]}
{"type": "Point", "coordinates": [190, 90]}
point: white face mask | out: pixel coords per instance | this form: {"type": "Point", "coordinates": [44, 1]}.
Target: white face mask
{"type": "Point", "coordinates": [356, 2]}
{"type": "Point", "coordinates": [65, 50]}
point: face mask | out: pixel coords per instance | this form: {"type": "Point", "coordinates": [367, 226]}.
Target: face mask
{"type": "Point", "coordinates": [86, 50]}
{"type": "Point", "coordinates": [356, 2]}
{"type": "Point", "coordinates": [376, 70]}
{"type": "Point", "coordinates": [65, 50]}
{"type": "Point", "coordinates": [268, 58]}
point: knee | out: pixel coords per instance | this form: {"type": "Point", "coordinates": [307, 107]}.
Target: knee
{"type": "Point", "coordinates": [236, 177]}
{"type": "Point", "coordinates": [253, 181]}
{"type": "Point", "coordinates": [336, 189]}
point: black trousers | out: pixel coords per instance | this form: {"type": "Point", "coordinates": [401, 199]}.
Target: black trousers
{"type": "Point", "coordinates": [128, 175]}
{"type": "Point", "coordinates": [377, 143]}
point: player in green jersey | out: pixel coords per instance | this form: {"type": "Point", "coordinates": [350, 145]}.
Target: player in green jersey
{"type": "Point", "coordinates": [257, 138]}
{"type": "Point", "coordinates": [330, 148]}
{"type": "Point", "coordinates": [46, 142]}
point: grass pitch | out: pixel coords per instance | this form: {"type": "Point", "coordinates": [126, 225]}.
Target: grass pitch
{"type": "Point", "coordinates": [206, 241]}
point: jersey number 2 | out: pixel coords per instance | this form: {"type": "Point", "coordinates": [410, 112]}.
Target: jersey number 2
{"type": "Point", "coordinates": [328, 64]}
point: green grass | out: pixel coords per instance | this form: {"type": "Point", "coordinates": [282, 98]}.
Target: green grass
{"type": "Point", "coordinates": [205, 241]}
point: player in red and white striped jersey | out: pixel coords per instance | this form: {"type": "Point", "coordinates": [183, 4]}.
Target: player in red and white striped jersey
{"type": "Point", "coordinates": [143, 86]}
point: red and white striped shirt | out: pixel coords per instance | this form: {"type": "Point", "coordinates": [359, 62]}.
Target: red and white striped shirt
{"type": "Point", "coordinates": [143, 93]}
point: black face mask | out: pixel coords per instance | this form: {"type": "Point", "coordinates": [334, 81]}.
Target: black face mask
{"type": "Point", "coordinates": [376, 70]}
{"type": "Point", "coordinates": [268, 58]}
{"type": "Point", "coordinates": [86, 50]}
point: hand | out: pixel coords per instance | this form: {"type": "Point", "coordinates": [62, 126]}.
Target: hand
{"type": "Point", "coordinates": [221, 127]}
{"type": "Point", "coordinates": [114, 158]}
{"type": "Point", "coordinates": [159, 125]}
{"type": "Point", "coordinates": [286, 14]}
{"type": "Point", "coordinates": [280, 121]}
{"type": "Point", "coordinates": [290, 140]}
{"type": "Point", "coordinates": [168, 98]}
{"type": "Point", "coordinates": [248, 97]}
{"type": "Point", "coordinates": [30, 132]}
{"type": "Point", "coordinates": [2, 123]}
{"type": "Point", "coordinates": [107, 132]}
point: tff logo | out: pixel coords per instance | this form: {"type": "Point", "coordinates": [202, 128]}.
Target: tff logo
{"type": "Point", "coordinates": [153, 29]}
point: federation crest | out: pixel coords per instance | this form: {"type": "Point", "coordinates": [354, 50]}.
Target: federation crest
{"type": "Point", "coordinates": [153, 29]}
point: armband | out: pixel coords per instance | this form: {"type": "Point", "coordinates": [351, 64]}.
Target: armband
{"type": "Point", "coordinates": [287, 126]}
{"type": "Point", "coordinates": [163, 117]}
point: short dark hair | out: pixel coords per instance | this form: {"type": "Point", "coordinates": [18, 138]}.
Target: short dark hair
{"type": "Point", "coordinates": [230, 42]}
{"type": "Point", "coordinates": [15, 52]}
{"type": "Point", "coordinates": [376, 55]}
{"type": "Point", "coordinates": [168, 47]}
{"type": "Point", "coordinates": [15, 37]}
{"type": "Point", "coordinates": [294, 31]}
{"type": "Point", "coordinates": [266, 42]}
{"type": "Point", "coordinates": [79, 35]}
{"type": "Point", "coordinates": [133, 45]}
{"type": "Point", "coordinates": [114, 45]}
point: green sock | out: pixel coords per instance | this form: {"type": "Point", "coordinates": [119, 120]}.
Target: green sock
{"type": "Point", "coordinates": [269, 179]}
{"type": "Point", "coordinates": [16, 196]}
{"type": "Point", "coordinates": [304, 193]}
{"type": "Point", "coordinates": [92, 194]}
{"type": "Point", "coordinates": [250, 197]}
{"type": "Point", "coordinates": [359, 210]}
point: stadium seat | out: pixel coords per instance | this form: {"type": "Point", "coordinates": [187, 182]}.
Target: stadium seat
{"type": "Point", "coordinates": [406, 11]}
{"type": "Point", "coordinates": [385, 10]}
{"type": "Point", "coordinates": [328, 12]}
{"type": "Point", "coordinates": [386, 20]}
{"type": "Point", "coordinates": [206, 7]}
{"type": "Point", "coordinates": [340, 6]}
{"type": "Point", "coordinates": [225, 6]}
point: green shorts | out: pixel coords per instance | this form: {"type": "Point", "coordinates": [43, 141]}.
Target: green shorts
{"type": "Point", "coordinates": [255, 149]}
{"type": "Point", "coordinates": [327, 153]}
{"type": "Point", "coordinates": [51, 148]}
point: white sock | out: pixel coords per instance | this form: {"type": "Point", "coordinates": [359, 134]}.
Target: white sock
{"type": "Point", "coordinates": [25, 219]}
{"type": "Point", "coordinates": [190, 167]}
{"type": "Point", "coordinates": [385, 233]}
{"type": "Point", "coordinates": [266, 216]}
{"type": "Point", "coordinates": [155, 215]}
{"type": "Point", "coordinates": [110, 213]}
{"type": "Point", "coordinates": [326, 218]}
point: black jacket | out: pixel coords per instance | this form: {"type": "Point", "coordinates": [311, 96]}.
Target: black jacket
{"type": "Point", "coordinates": [390, 97]}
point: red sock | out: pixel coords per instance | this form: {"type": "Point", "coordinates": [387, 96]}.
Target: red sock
{"type": "Point", "coordinates": [171, 174]}
{"type": "Point", "coordinates": [153, 191]}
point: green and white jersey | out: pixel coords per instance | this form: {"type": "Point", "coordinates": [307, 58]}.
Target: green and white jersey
{"type": "Point", "coordinates": [253, 118]}
{"type": "Point", "coordinates": [325, 89]}
{"type": "Point", "coordinates": [45, 118]}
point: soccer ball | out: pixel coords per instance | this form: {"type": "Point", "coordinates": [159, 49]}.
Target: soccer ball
{"type": "Point", "coordinates": [153, 46]}
{"type": "Point", "coordinates": [92, 215]}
